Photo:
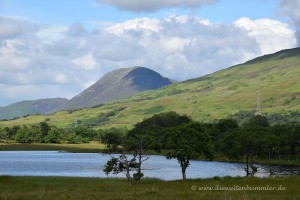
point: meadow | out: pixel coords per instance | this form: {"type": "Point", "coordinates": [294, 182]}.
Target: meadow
{"type": "Point", "coordinates": [278, 188]}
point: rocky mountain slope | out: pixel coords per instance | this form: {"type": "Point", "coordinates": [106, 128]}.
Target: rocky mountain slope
{"type": "Point", "coordinates": [118, 84]}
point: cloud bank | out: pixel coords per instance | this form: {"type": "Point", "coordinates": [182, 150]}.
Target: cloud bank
{"type": "Point", "coordinates": [153, 5]}
{"type": "Point", "coordinates": [291, 8]}
{"type": "Point", "coordinates": [39, 61]}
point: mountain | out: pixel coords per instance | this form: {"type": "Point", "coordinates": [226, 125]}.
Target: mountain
{"type": "Point", "coordinates": [115, 85]}
{"type": "Point", "coordinates": [275, 77]}
{"type": "Point", "coordinates": [42, 106]}
{"type": "Point", "coordinates": [118, 84]}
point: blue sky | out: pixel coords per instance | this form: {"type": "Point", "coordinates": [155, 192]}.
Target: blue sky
{"type": "Point", "coordinates": [57, 48]}
{"type": "Point", "coordinates": [85, 11]}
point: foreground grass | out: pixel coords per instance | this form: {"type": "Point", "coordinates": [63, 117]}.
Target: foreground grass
{"type": "Point", "coordinates": [97, 188]}
{"type": "Point", "coordinates": [78, 148]}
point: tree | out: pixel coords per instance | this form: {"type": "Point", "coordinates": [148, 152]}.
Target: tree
{"type": "Point", "coordinates": [44, 129]}
{"type": "Point", "coordinates": [146, 135]}
{"type": "Point", "coordinates": [54, 135]}
{"type": "Point", "coordinates": [3, 135]}
{"type": "Point", "coordinates": [163, 120]}
{"type": "Point", "coordinates": [139, 141]}
{"type": "Point", "coordinates": [258, 120]}
{"type": "Point", "coordinates": [113, 139]}
{"type": "Point", "coordinates": [116, 140]}
{"type": "Point", "coordinates": [248, 144]}
{"type": "Point", "coordinates": [186, 142]}
{"type": "Point", "coordinates": [219, 130]}
{"type": "Point", "coordinates": [11, 131]}
{"type": "Point", "coordinates": [121, 164]}
{"type": "Point", "coordinates": [23, 135]}
{"type": "Point", "coordinates": [230, 144]}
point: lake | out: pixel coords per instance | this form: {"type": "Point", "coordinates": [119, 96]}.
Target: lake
{"type": "Point", "coordinates": [55, 163]}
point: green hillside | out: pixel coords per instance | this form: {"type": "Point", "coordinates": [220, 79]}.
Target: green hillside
{"type": "Point", "coordinates": [41, 106]}
{"type": "Point", "coordinates": [276, 77]}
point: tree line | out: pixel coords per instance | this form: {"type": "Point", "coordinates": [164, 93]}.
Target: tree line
{"type": "Point", "coordinates": [179, 137]}
{"type": "Point", "coordinates": [44, 133]}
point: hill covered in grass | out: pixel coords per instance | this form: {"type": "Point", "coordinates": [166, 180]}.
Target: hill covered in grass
{"type": "Point", "coordinates": [41, 106]}
{"type": "Point", "coordinates": [275, 77]}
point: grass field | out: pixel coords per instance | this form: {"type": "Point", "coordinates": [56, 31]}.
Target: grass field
{"type": "Point", "coordinates": [97, 188]}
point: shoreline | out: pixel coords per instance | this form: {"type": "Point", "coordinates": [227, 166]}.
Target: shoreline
{"type": "Point", "coordinates": [96, 147]}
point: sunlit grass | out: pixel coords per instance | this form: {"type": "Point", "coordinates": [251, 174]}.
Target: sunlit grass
{"type": "Point", "coordinates": [88, 147]}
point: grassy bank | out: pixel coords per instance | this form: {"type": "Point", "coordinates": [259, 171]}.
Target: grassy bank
{"type": "Point", "coordinates": [93, 147]}
{"type": "Point", "coordinates": [95, 188]}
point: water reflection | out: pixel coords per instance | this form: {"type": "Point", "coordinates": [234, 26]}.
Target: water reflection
{"type": "Point", "coordinates": [54, 163]}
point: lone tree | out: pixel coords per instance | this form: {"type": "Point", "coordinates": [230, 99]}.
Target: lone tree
{"type": "Point", "coordinates": [146, 135]}
{"type": "Point", "coordinates": [138, 142]}
{"type": "Point", "coordinates": [186, 142]}
{"type": "Point", "coordinates": [133, 142]}
{"type": "Point", "coordinates": [122, 164]}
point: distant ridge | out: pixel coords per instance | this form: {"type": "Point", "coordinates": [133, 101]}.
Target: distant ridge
{"type": "Point", "coordinates": [41, 106]}
{"type": "Point", "coordinates": [286, 53]}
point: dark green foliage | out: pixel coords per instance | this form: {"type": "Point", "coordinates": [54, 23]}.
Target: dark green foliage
{"type": "Point", "coordinates": [3, 135]}
{"type": "Point", "coordinates": [186, 142]}
{"type": "Point", "coordinates": [164, 120]}
{"type": "Point", "coordinates": [54, 136]}
{"type": "Point", "coordinates": [283, 117]}
{"type": "Point", "coordinates": [258, 120]}
{"type": "Point", "coordinates": [175, 134]}
{"type": "Point", "coordinates": [11, 132]}
{"type": "Point", "coordinates": [113, 139]}
{"type": "Point", "coordinates": [257, 139]}
{"type": "Point", "coordinates": [44, 128]}
{"type": "Point", "coordinates": [43, 133]}
{"type": "Point", "coordinates": [24, 135]}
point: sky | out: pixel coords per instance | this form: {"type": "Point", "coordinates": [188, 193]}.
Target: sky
{"type": "Point", "coordinates": [58, 48]}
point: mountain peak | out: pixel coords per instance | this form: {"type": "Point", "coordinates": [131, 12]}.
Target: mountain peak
{"type": "Point", "coordinates": [118, 84]}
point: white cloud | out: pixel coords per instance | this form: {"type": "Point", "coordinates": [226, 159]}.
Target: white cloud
{"type": "Point", "coordinates": [139, 24]}
{"type": "Point", "coordinates": [11, 28]}
{"type": "Point", "coordinates": [291, 9]}
{"type": "Point", "coordinates": [52, 34]}
{"type": "Point", "coordinates": [86, 62]}
{"type": "Point", "coordinates": [153, 5]}
{"type": "Point", "coordinates": [271, 35]}
{"type": "Point", "coordinates": [66, 60]}
{"type": "Point", "coordinates": [61, 78]}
